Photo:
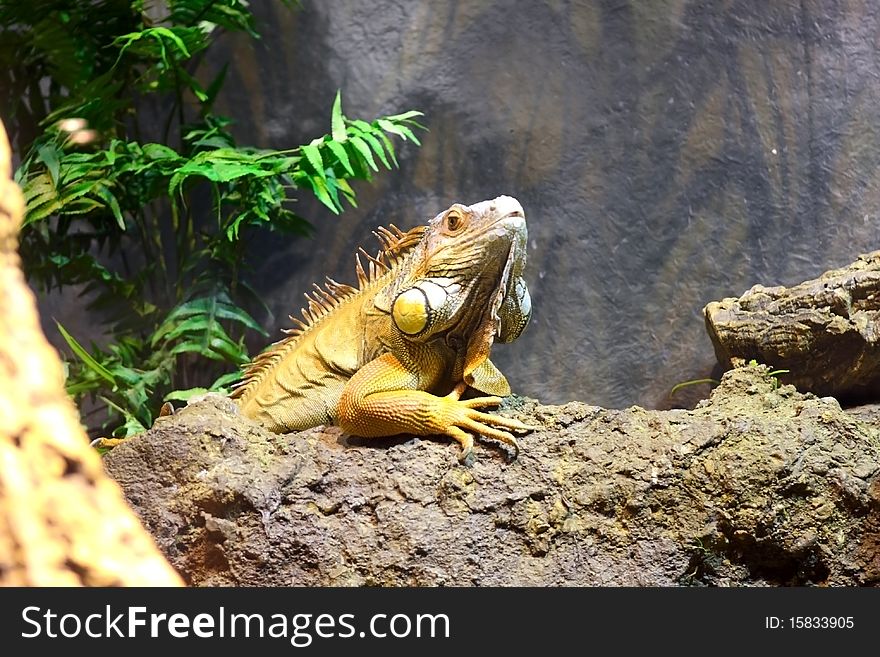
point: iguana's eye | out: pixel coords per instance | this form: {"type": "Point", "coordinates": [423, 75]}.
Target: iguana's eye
{"type": "Point", "coordinates": [454, 222]}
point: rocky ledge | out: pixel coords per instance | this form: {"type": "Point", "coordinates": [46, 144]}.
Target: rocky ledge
{"type": "Point", "coordinates": [759, 485]}
{"type": "Point", "coordinates": [825, 332]}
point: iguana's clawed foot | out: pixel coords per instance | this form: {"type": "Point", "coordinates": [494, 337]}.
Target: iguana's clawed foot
{"type": "Point", "coordinates": [106, 443]}
{"type": "Point", "coordinates": [484, 424]}
{"type": "Point", "coordinates": [110, 443]}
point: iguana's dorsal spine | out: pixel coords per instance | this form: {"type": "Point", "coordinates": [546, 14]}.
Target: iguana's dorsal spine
{"type": "Point", "coordinates": [395, 245]}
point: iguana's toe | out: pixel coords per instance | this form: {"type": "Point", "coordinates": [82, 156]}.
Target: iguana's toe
{"type": "Point", "coordinates": [497, 420]}
{"type": "Point", "coordinates": [107, 443]}
{"type": "Point", "coordinates": [465, 439]}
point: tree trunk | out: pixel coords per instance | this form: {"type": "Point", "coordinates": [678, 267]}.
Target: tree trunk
{"type": "Point", "coordinates": [62, 520]}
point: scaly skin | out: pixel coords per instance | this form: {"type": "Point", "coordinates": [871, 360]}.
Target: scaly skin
{"type": "Point", "coordinates": [394, 355]}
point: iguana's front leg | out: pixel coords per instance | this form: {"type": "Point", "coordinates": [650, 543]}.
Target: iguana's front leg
{"type": "Point", "coordinates": [383, 399]}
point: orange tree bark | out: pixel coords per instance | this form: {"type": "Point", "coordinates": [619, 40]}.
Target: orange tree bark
{"type": "Point", "coordinates": [62, 520]}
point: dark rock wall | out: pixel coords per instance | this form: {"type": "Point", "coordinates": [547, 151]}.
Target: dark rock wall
{"type": "Point", "coordinates": [667, 153]}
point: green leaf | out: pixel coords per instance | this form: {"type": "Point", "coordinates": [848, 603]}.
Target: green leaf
{"type": "Point", "coordinates": [408, 134]}
{"type": "Point", "coordinates": [155, 33]}
{"type": "Point", "coordinates": [198, 323]}
{"type": "Point", "coordinates": [213, 306]}
{"type": "Point", "coordinates": [218, 347]}
{"type": "Point", "coordinates": [395, 128]}
{"type": "Point", "coordinates": [85, 357]}
{"type": "Point", "coordinates": [229, 311]}
{"type": "Point", "coordinates": [184, 395]}
{"type": "Point", "coordinates": [167, 33]}
{"type": "Point", "coordinates": [234, 226]}
{"type": "Point", "coordinates": [223, 381]}
{"type": "Point", "coordinates": [390, 147]}
{"type": "Point", "coordinates": [128, 376]}
{"type": "Point", "coordinates": [196, 348]}
{"type": "Point", "coordinates": [132, 425]}
{"type": "Point", "coordinates": [333, 190]}
{"type": "Point", "coordinates": [193, 84]}
{"type": "Point", "coordinates": [313, 155]}
{"type": "Point", "coordinates": [406, 115]}
{"type": "Point", "coordinates": [214, 87]}
{"type": "Point", "coordinates": [388, 126]}
{"type": "Point", "coordinates": [160, 152]}
{"type": "Point", "coordinates": [342, 183]}
{"type": "Point", "coordinates": [38, 187]}
{"type": "Point", "coordinates": [377, 147]}
{"type": "Point", "coordinates": [41, 211]}
{"type": "Point", "coordinates": [192, 307]}
{"type": "Point", "coordinates": [48, 154]}
{"type": "Point", "coordinates": [82, 387]}
{"type": "Point", "coordinates": [81, 206]}
{"type": "Point", "coordinates": [337, 121]}
{"type": "Point", "coordinates": [364, 150]}
{"type": "Point", "coordinates": [360, 126]}
{"type": "Point", "coordinates": [111, 201]}
{"type": "Point", "coordinates": [339, 151]}
{"type": "Point", "coordinates": [229, 349]}
{"type": "Point", "coordinates": [77, 190]}
{"type": "Point", "coordinates": [225, 165]}
{"type": "Point", "coordinates": [692, 382]}
{"type": "Point", "coordinates": [319, 187]}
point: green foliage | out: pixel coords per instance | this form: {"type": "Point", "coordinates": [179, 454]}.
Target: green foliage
{"type": "Point", "coordinates": [153, 232]}
{"type": "Point", "coordinates": [771, 373]}
{"type": "Point", "coordinates": [692, 382]}
{"type": "Point", "coordinates": [774, 374]}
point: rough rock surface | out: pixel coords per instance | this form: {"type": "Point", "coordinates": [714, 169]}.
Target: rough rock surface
{"type": "Point", "coordinates": [826, 331]}
{"type": "Point", "coordinates": [760, 485]}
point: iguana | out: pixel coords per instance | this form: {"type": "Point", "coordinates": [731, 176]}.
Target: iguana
{"type": "Point", "coordinates": [395, 354]}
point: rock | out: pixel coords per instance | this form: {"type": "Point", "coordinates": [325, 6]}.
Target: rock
{"type": "Point", "coordinates": [760, 485]}
{"type": "Point", "coordinates": [826, 332]}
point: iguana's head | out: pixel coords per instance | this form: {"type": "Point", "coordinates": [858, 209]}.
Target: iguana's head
{"type": "Point", "coordinates": [466, 279]}
{"type": "Point", "coordinates": [479, 235]}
